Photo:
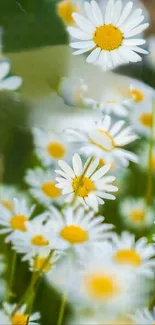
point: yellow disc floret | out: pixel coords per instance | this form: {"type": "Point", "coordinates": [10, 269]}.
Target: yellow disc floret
{"type": "Point", "coordinates": [128, 257]}
{"type": "Point", "coordinates": [101, 286]}
{"type": "Point", "coordinates": [56, 150]}
{"type": "Point", "coordinates": [18, 222]}
{"type": "Point", "coordinates": [108, 37]}
{"type": "Point", "coordinates": [39, 240]}
{"type": "Point", "coordinates": [65, 9]}
{"type": "Point", "coordinates": [19, 319]}
{"type": "Point", "coordinates": [51, 190]}
{"type": "Point", "coordinates": [83, 186]}
{"type": "Point", "coordinates": [74, 234]}
{"type": "Point", "coordinates": [146, 119]}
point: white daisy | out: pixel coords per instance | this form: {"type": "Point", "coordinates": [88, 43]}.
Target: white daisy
{"type": "Point", "coordinates": [84, 183]}
{"type": "Point", "coordinates": [79, 229]}
{"type": "Point", "coordinates": [20, 317]}
{"type": "Point", "coordinates": [135, 214]}
{"type": "Point", "coordinates": [37, 237]}
{"type": "Point", "coordinates": [9, 83]}
{"type": "Point", "coordinates": [65, 9]}
{"type": "Point", "coordinates": [38, 262]}
{"type": "Point", "coordinates": [50, 146]}
{"type": "Point", "coordinates": [42, 185]}
{"type": "Point", "coordinates": [15, 219]}
{"type": "Point", "coordinates": [136, 255]}
{"type": "Point", "coordinates": [144, 317]}
{"type": "Point", "coordinates": [143, 154]}
{"type": "Point", "coordinates": [106, 140]}
{"type": "Point", "coordinates": [151, 47]}
{"type": "Point", "coordinates": [8, 193]}
{"type": "Point", "coordinates": [109, 37]}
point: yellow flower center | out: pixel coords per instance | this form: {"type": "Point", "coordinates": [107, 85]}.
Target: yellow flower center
{"type": "Point", "coordinates": [7, 204]}
{"type": "Point", "coordinates": [18, 222]}
{"type": "Point", "coordinates": [102, 162]}
{"type": "Point", "coordinates": [39, 240]}
{"type": "Point", "coordinates": [65, 9]}
{"type": "Point", "coordinates": [146, 119]}
{"type": "Point", "coordinates": [51, 190]}
{"type": "Point", "coordinates": [82, 187]}
{"type": "Point", "coordinates": [101, 286]}
{"type": "Point", "coordinates": [40, 262]}
{"type": "Point", "coordinates": [74, 234]}
{"type": "Point", "coordinates": [56, 150]}
{"type": "Point", "coordinates": [98, 140]}
{"type": "Point", "coordinates": [108, 37]}
{"type": "Point", "coordinates": [137, 216]}
{"type": "Point", "coordinates": [19, 319]}
{"type": "Point", "coordinates": [128, 257]}
{"type": "Point", "coordinates": [137, 95]}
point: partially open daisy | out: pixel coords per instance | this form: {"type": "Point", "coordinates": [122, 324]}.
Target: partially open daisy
{"type": "Point", "coordinates": [65, 9]}
{"type": "Point", "coordinates": [136, 255]}
{"type": "Point", "coordinates": [19, 318]}
{"type": "Point", "coordinates": [135, 214]}
{"type": "Point", "coordinates": [108, 139]}
{"type": "Point", "coordinates": [43, 185]}
{"type": "Point", "coordinates": [79, 229]}
{"type": "Point", "coordinates": [50, 146]}
{"type": "Point", "coordinates": [84, 183]}
{"type": "Point", "coordinates": [37, 237]}
{"type": "Point", "coordinates": [9, 83]}
{"type": "Point", "coordinates": [15, 219]}
{"type": "Point", "coordinates": [143, 317]}
{"type": "Point", "coordinates": [109, 37]}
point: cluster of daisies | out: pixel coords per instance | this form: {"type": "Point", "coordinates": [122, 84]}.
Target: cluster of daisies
{"type": "Point", "coordinates": [107, 277]}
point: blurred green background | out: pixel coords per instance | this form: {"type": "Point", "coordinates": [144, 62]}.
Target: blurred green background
{"type": "Point", "coordinates": [30, 29]}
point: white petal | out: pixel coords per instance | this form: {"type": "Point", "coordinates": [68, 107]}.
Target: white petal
{"type": "Point", "coordinates": [4, 69]}
{"type": "Point", "coordinates": [125, 13]}
{"type": "Point", "coordinates": [118, 9]}
{"type": "Point", "coordinates": [109, 14]}
{"type": "Point", "coordinates": [102, 171]}
{"type": "Point", "coordinates": [93, 55]}
{"type": "Point", "coordinates": [79, 34]}
{"type": "Point", "coordinates": [116, 128]}
{"type": "Point", "coordinates": [97, 13]}
{"type": "Point", "coordinates": [139, 50]}
{"type": "Point", "coordinates": [89, 13]}
{"type": "Point", "coordinates": [83, 44]}
{"type": "Point", "coordinates": [78, 52]}
{"type": "Point", "coordinates": [83, 23]}
{"type": "Point", "coordinates": [134, 41]}
{"type": "Point", "coordinates": [66, 168]}
{"type": "Point", "coordinates": [11, 83]}
{"type": "Point", "coordinates": [136, 30]}
{"type": "Point", "coordinates": [92, 167]}
{"type": "Point", "coordinates": [77, 165]}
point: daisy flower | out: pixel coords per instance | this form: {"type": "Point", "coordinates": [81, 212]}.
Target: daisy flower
{"type": "Point", "coordinates": [106, 139]}
{"type": "Point", "coordinates": [136, 255]}
{"type": "Point", "coordinates": [84, 183]}
{"type": "Point", "coordinates": [16, 219]}
{"type": "Point", "coordinates": [144, 317]}
{"type": "Point", "coordinates": [65, 9]}
{"type": "Point", "coordinates": [109, 37]}
{"type": "Point", "coordinates": [151, 47]}
{"type": "Point", "coordinates": [20, 317]}
{"type": "Point", "coordinates": [135, 213]}
{"type": "Point", "coordinates": [8, 193]}
{"type": "Point", "coordinates": [50, 146]}
{"type": "Point", "coordinates": [42, 186]}
{"type": "Point", "coordinates": [143, 154]}
{"type": "Point", "coordinates": [9, 83]}
{"type": "Point", "coordinates": [38, 262]}
{"type": "Point", "coordinates": [79, 229]}
{"type": "Point", "coordinates": [37, 237]}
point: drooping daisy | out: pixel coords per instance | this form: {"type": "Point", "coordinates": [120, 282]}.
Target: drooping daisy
{"type": "Point", "coordinates": [95, 141]}
{"type": "Point", "coordinates": [65, 9]}
{"type": "Point", "coordinates": [84, 183]}
{"type": "Point", "coordinates": [143, 154]}
{"type": "Point", "coordinates": [79, 229]}
{"type": "Point", "coordinates": [8, 193]}
{"type": "Point", "coordinates": [109, 37]}
{"type": "Point", "coordinates": [42, 185]}
{"type": "Point", "coordinates": [20, 317]}
{"type": "Point", "coordinates": [136, 255]}
{"type": "Point", "coordinates": [135, 214]}
{"type": "Point", "coordinates": [50, 146]}
{"type": "Point", "coordinates": [37, 237]}
{"type": "Point", "coordinates": [9, 83]}
{"type": "Point", "coordinates": [144, 317]}
{"type": "Point", "coordinates": [15, 219]}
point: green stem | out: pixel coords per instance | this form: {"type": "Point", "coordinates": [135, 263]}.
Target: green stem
{"type": "Point", "coordinates": [149, 182]}
{"type": "Point", "coordinates": [80, 180]}
{"type": "Point", "coordinates": [62, 308]}
{"type": "Point", "coordinates": [35, 277]}
{"type": "Point", "coordinates": [11, 282]}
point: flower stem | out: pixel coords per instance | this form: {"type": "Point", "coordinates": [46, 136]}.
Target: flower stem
{"type": "Point", "coordinates": [62, 308]}
{"type": "Point", "coordinates": [11, 282]}
{"type": "Point", "coordinates": [35, 277]}
{"type": "Point", "coordinates": [80, 180]}
{"type": "Point", "coordinates": [149, 182]}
